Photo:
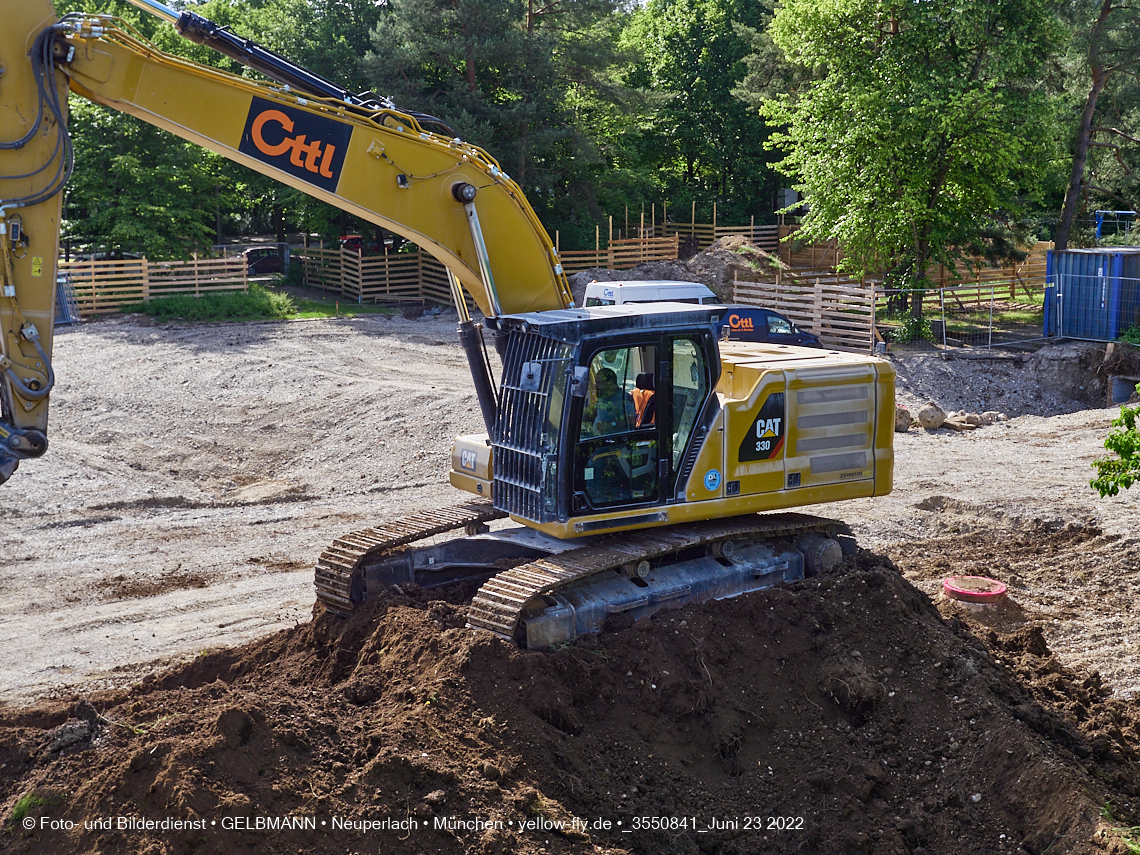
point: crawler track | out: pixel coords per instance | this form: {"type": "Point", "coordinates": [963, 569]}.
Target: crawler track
{"type": "Point", "coordinates": [500, 603]}
{"type": "Point", "coordinates": [337, 568]}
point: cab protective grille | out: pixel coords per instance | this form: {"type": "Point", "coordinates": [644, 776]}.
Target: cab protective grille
{"type": "Point", "coordinates": [525, 447]}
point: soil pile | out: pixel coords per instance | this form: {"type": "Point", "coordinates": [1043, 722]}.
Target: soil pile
{"type": "Point", "coordinates": [841, 713]}
{"type": "Point", "coordinates": [1057, 379]}
{"type": "Point", "coordinates": [727, 259]}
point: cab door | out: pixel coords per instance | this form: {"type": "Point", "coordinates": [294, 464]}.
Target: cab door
{"type": "Point", "coordinates": [630, 451]}
{"type": "Point", "coordinates": [618, 449]}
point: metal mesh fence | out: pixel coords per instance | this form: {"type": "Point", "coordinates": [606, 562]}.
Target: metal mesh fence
{"type": "Point", "coordinates": [984, 315]}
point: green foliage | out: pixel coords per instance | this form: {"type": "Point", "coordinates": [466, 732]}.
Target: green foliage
{"type": "Point", "coordinates": [1124, 441]}
{"type": "Point", "coordinates": [913, 329]}
{"type": "Point", "coordinates": [257, 303]}
{"type": "Point", "coordinates": [524, 81]}
{"type": "Point", "coordinates": [1131, 336]}
{"type": "Point", "coordinates": [695, 137]}
{"type": "Point", "coordinates": [136, 189]}
{"type": "Point", "coordinates": [923, 126]}
{"type": "Point", "coordinates": [1101, 112]}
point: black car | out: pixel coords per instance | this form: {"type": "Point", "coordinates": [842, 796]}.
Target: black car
{"type": "Point", "coordinates": [748, 323]}
{"type": "Point", "coordinates": [263, 259]}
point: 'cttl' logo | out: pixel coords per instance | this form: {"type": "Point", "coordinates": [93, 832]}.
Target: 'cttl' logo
{"type": "Point", "coordinates": [315, 156]}
{"type": "Point", "coordinates": [303, 144]}
{"type": "Point", "coordinates": [735, 322]}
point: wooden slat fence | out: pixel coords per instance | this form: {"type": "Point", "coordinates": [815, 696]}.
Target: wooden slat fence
{"type": "Point", "coordinates": [1028, 274]}
{"type": "Point", "coordinates": [765, 237]}
{"type": "Point", "coordinates": [395, 277]}
{"type": "Point", "coordinates": [621, 254]}
{"type": "Point", "coordinates": [105, 286]}
{"type": "Point", "coordinates": [841, 311]}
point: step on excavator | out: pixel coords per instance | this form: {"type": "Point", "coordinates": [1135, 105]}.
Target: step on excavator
{"type": "Point", "coordinates": [632, 461]}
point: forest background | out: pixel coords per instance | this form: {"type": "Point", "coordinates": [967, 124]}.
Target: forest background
{"type": "Point", "coordinates": [915, 132]}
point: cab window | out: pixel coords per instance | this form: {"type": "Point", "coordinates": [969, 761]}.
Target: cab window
{"type": "Point", "coordinates": [690, 388]}
{"type": "Point", "coordinates": [616, 459]}
{"type": "Point", "coordinates": [609, 405]}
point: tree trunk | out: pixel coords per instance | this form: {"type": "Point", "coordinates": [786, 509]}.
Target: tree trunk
{"type": "Point", "coordinates": [921, 258]}
{"type": "Point", "coordinates": [279, 222]}
{"type": "Point", "coordinates": [1084, 133]}
{"type": "Point", "coordinates": [1080, 157]}
{"type": "Point", "coordinates": [469, 53]}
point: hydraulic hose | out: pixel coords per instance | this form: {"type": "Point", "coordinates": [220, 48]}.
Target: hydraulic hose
{"type": "Point", "coordinates": [33, 394]}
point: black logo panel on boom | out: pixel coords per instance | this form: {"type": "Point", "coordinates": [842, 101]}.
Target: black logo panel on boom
{"type": "Point", "coordinates": [305, 145]}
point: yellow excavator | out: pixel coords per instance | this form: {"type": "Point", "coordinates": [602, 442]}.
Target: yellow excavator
{"type": "Point", "coordinates": [632, 449]}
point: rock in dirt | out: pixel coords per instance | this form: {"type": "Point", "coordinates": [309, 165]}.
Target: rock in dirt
{"type": "Point", "coordinates": [903, 419]}
{"type": "Point", "coordinates": [931, 416]}
{"type": "Point", "coordinates": [70, 734]}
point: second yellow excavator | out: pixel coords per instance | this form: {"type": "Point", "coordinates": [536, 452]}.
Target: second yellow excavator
{"type": "Point", "coordinates": [632, 449]}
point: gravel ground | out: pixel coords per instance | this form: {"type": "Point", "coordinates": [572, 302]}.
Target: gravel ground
{"type": "Point", "coordinates": [196, 472]}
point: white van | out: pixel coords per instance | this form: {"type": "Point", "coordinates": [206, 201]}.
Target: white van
{"type": "Point", "coordinates": [616, 293]}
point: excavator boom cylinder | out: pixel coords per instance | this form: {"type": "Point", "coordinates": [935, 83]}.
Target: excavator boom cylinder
{"type": "Point", "coordinates": [155, 8]}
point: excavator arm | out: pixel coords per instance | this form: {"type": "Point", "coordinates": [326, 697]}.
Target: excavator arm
{"type": "Point", "coordinates": [360, 154]}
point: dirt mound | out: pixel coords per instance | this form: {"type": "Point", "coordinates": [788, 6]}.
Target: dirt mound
{"type": "Point", "coordinates": [727, 259]}
{"type": "Point", "coordinates": [1060, 378]}
{"type": "Point", "coordinates": [836, 714]}
{"type": "Point", "coordinates": [731, 258]}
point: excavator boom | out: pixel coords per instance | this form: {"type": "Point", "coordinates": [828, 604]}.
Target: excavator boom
{"type": "Point", "coordinates": [357, 152]}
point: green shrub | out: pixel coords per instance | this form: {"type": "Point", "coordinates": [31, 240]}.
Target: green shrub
{"type": "Point", "coordinates": [1122, 470]}
{"type": "Point", "coordinates": [913, 329]}
{"type": "Point", "coordinates": [257, 303]}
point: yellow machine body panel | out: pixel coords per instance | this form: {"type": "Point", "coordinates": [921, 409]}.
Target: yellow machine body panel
{"type": "Point", "coordinates": [29, 236]}
{"type": "Point", "coordinates": [471, 465]}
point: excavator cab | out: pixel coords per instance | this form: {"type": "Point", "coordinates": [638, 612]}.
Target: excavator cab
{"type": "Point", "coordinates": [573, 445]}
{"type": "Point", "coordinates": [615, 418]}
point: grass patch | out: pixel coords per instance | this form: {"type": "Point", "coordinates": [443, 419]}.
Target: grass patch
{"type": "Point", "coordinates": [332, 308]}
{"type": "Point", "coordinates": [1130, 836]}
{"type": "Point", "coordinates": [259, 303]}
{"type": "Point", "coordinates": [1131, 336]}
{"type": "Point", "coordinates": [26, 804]}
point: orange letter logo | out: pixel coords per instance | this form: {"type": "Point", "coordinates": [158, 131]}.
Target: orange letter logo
{"type": "Point", "coordinates": [259, 141]}
{"type": "Point", "coordinates": [307, 145]}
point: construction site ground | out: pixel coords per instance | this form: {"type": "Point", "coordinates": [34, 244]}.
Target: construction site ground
{"type": "Point", "coordinates": [162, 660]}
